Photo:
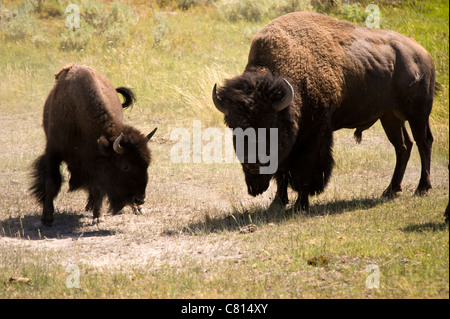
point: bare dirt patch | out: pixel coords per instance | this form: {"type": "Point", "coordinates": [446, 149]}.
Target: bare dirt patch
{"type": "Point", "coordinates": [125, 240]}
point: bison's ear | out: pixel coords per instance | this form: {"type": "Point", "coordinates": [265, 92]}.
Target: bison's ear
{"type": "Point", "coordinates": [287, 98]}
{"type": "Point", "coordinates": [103, 144]}
{"type": "Point", "coordinates": [149, 136]}
{"type": "Point", "coordinates": [217, 102]}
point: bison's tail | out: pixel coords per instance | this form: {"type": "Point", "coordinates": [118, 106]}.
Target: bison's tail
{"type": "Point", "coordinates": [128, 95]}
{"type": "Point", "coordinates": [38, 177]}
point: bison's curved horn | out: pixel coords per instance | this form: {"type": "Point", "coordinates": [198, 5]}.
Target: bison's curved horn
{"type": "Point", "coordinates": [149, 136]}
{"type": "Point", "coordinates": [218, 102]}
{"type": "Point", "coordinates": [286, 100]}
{"type": "Point", "coordinates": [116, 146]}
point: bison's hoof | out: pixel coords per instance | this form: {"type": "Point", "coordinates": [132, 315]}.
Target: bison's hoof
{"type": "Point", "coordinates": [277, 204]}
{"type": "Point", "coordinates": [301, 207]}
{"type": "Point", "coordinates": [421, 192]}
{"type": "Point", "coordinates": [390, 193]}
{"type": "Point", "coordinates": [98, 221]}
{"type": "Point", "coordinates": [302, 211]}
{"type": "Point", "coordinates": [138, 210]}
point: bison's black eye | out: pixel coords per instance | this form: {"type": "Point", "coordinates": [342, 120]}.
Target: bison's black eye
{"type": "Point", "coordinates": [125, 167]}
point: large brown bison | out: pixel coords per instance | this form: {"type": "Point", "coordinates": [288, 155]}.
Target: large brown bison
{"type": "Point", "coordinates": [83, 126]}
{"type": "Point", "coordinates": [309, 75]}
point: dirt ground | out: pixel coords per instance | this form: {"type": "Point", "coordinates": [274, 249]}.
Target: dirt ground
{"type": "Point", "coordinates": [159, 236]}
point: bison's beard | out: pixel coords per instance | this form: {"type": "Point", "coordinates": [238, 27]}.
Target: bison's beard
{"type": "Point", "coordinates": [257, 183]}
{"type": "Point", "coordinates": [115, 208]}
{"type": "Point", "coordinates": [116, 204]}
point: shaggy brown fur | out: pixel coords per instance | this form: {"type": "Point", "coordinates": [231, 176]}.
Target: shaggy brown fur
{"type": "Point", "coordinates": [82, 119]}
{"type": "Point", "coordinates": [344, 76]}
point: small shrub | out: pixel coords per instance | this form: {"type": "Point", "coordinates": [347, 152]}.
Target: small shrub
{"type": "Point", "coordinates": [18, 24]}
{"type": "Point", "coordinates": [6, 15]}
{"type": "Point", "coordinates": [181, 4]}
{"type": "Point", "coordinates": [76, 39]}
{"type": "Point", "coordinates": [161, 31]}
{"type": "Point", "coordinates": [95, 14]}
{"type": "Point", "coordinates": [279, 8]}
{"type": "Point", "coordinates": [354, 13]}
{"type": "Point", "coordinates": [257, 10]}
{"type": "Point", "coordinates": [49, 8]}
{"type": "Point", "coordinates": [40, 40]}
{"type": "Point", "coordinates": [326, 5]}
{"type": "Point", "coordinates": [242, 10]}
{"type": "Point", "coordinates": [99, 22]}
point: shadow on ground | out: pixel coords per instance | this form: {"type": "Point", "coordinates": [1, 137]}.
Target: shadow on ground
{"type": "Point", "coordinates": [67, 224]}
{"type": "Point", "coordinates": [239, 219]}
{"type": "Point", "coordinates": [434, 227]}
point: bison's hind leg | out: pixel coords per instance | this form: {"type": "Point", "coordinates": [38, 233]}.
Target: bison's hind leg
{"type": "Point", "coordinates": [424, 140]}
{"type": "Point", "coordinates": [47, 182]}
{"type": "Point", "coordinates": [417, 111]}
{"type": "Point", "coordinates": [398, 136]}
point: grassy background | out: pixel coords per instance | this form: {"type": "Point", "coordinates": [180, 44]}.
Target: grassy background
{"type": "Point", "coordinates": [171, 53]}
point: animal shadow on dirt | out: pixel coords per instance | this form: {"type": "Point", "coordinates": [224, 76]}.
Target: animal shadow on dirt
{"type": "Point", "coordinates": [247, 219]}
{"type": "Point", "coordinates": [419, 228]}
{"type": "Point", "coordinates": [67, 224]}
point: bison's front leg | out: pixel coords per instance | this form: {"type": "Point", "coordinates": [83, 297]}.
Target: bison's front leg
{"type": "Point", "coordinates": [281, 198]}
{"type": "Point", "coordinates": [94, 203]}
{"type": "Point", "coordinates": [302, 202]}
{"type": "Point", "coordinates": [312, 167]}
{"type": "Point", "coordinates": [301, 176]}
{"type": "Point", "coordinates": [301, 181]}
{"type": "Point", "coordinates": [90, 203]}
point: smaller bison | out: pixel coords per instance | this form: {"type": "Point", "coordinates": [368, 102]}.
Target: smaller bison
{"type": "Point", "coordinates": [309, 75]}
{"type": "Point", "coordinates": [83, 124]}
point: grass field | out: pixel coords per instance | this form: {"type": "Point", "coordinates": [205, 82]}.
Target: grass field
{"type": "Point", "coordinates": [202, 235]}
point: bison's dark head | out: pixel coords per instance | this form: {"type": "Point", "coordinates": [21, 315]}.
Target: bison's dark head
{"type": "Point", "coordinates": [122, 167]}
{"type": "Point", "coordinates": [258, 101]}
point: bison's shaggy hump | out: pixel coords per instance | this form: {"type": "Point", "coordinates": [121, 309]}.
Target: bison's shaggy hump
{"type": "Point", "coordinates": [68, 66]}
{"type": "Point", "coordinates": [343, 76]}
{"type": "Point", "coordinates": [303, 46]}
